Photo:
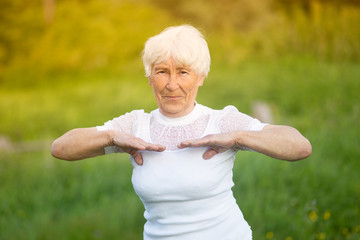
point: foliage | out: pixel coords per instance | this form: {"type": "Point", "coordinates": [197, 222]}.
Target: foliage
{"type": "Point", "coordinates": [79, 66]}
{"type": "Point", "coordinates": [93, 199]}
{"type": "Point", "coordinates": [37, 40]}
{"type": "Point", "coordinates": [82, 36]}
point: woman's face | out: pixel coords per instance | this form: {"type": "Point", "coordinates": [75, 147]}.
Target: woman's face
{"type": "Point", "coordinates": [175, 88]}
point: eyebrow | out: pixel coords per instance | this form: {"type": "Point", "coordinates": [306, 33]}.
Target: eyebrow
{"type": "Point", "coordinates": [166, 67]}
{"type": "Point", "coordinates": [159, 67]}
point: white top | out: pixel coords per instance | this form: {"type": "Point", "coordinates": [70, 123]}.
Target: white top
{"type": "Point", "coordinates": [185, 196]}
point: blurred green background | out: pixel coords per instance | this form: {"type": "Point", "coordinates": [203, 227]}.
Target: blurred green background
{"type": "Point", "coordinates": [71, 63]}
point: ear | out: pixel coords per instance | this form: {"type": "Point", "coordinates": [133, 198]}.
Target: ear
{"type": "Point", "coordinates": [201, 80]}
{"type": "Point", "coordinates": [150, 81]}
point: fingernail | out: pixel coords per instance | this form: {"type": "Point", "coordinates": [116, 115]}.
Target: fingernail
{"type": "Point", "coordinates": [206, 157]}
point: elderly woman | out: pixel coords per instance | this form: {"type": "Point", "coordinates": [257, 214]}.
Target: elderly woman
{"type": "Point", "coordinates": [183, 152]}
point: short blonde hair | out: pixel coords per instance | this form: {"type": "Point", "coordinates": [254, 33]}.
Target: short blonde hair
{"type": "Point", "coordinates": [184, 43]}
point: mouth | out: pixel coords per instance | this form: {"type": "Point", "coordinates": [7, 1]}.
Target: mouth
{"type": "Point", "coordinates": [173, 98]}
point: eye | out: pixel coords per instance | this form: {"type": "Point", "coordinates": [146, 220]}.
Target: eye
{"type": "Point", "coordinates": [184, 72]}
{"type": "Point", "coordinates": [160, 72]}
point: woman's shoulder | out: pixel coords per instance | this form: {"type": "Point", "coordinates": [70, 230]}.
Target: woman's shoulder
{"type": "Point", "coordinates": [229, 118]}
{"type": "Point", "coordinates": [133, 115]}
{"type": "Point", "coordinates": [212, 109]}
{"type": "Point", "coordinates": [220, 112]}
{"type": "Point", "coordinates": [127, 121]}
{"type": "Point", "coordinates": [139, 113]}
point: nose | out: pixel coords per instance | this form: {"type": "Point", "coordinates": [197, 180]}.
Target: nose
{"type": "Point", "coordinates": [172, 84]}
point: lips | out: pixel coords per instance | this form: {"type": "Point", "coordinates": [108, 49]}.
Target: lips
{"type": "Point", "coordinates": [172, 97]}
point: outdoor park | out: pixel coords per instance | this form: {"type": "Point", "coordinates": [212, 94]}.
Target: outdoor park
{"type": "Point", "coordinates": [69, 64]}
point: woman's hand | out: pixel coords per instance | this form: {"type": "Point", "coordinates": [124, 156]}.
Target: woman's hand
{"type": "Point", "coordinates": [280, 142]}
{"type": "Point", "coordinates": [132, 145]}
{"type": "Point", "coordinates": [88, 142]}
{"type": "Point", "coordinates": [217, 143]}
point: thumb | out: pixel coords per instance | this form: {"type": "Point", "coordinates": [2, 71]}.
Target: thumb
{"type": "Point", "coordinates": [137, 158]}
{"type": "Point", "coordinates": [209, 153]}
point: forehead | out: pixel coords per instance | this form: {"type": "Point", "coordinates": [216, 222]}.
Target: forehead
{"type": "Point", "coordinates": [170, 63]}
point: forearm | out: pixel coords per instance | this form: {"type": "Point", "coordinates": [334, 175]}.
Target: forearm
{"type": "Point", "coordinates": [281, 142]}
{"type": "Point", "coordinates": [80, 143]}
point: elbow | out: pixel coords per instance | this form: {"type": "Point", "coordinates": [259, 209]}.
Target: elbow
{"type": "Point", "coordinates": [304, 150]}
{"type": "Point", "coordinates": [308, 150]}
{"type": "Point", "coordinates": [57, 150]}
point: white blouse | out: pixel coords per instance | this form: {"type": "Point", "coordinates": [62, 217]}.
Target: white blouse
{"type": "Point", "coordinates": [186, 197]}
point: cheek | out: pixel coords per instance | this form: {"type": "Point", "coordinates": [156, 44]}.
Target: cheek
{"type": "Point", "coordinates": [157, 84]}
{"type": "Point", "coordinates": [191, 86]}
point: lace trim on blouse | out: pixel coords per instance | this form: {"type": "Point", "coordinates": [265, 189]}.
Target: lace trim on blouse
{"type": "Point", "coordinates": [170, 132]}
{"type": "Point", "coordinates": [172, 136]}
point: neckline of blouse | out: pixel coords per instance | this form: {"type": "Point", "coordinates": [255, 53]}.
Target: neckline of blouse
{"type": "Point", "coordinates": [189, 118]}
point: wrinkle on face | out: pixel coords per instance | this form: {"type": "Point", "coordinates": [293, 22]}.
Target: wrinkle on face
{"type": "Point", "coordinates": [175, 87]}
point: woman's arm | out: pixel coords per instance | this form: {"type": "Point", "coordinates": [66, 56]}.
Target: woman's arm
{"type": "Point", "coordinates": [83, 143]}
{"type": "Point", "coordinates": [80, 143]}
{"type": "Point", "coordinates": [281, 142]}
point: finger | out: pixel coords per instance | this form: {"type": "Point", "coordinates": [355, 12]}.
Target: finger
{"type": "Point", "coordinates": [161, 148]}
{"type": "Point", "coordinates": [209, 153]}
{"type": "Point", "coordinates": [137, 158]}
{"type": "Point", "coordinates": [132, 146]}
{"type": "Point", "coordinates": [149, 146]}
{"type": "Point", "coordinates": [185, 144]}
{"type": "Point", "coordinates": [195, 143]}
{"type": "Point", "coordinates": [155, 147]}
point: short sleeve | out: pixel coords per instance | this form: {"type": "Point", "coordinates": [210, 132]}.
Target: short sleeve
{"type": "Point", "coordinates": [124, 123]}
{"type": "Point", "coordinates": [232, 120]}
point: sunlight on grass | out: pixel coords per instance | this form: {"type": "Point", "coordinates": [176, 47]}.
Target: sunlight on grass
{"type": "Point", "coordinates": [83, 67]}
{"type": "Point", "coordinates": [94, 199]}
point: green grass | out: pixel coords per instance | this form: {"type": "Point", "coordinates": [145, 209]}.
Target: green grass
{"type": "Point", "coordinates": [317, 198]}
{"type": "Point", "coordinates": [47, 199]}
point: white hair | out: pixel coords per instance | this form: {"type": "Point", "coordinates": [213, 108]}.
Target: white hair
{"type": "Point", "coordinates": [185, 44]}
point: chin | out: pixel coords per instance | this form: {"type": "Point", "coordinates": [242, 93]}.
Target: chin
{"type": "Point", "coordinates": [171, 113]}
